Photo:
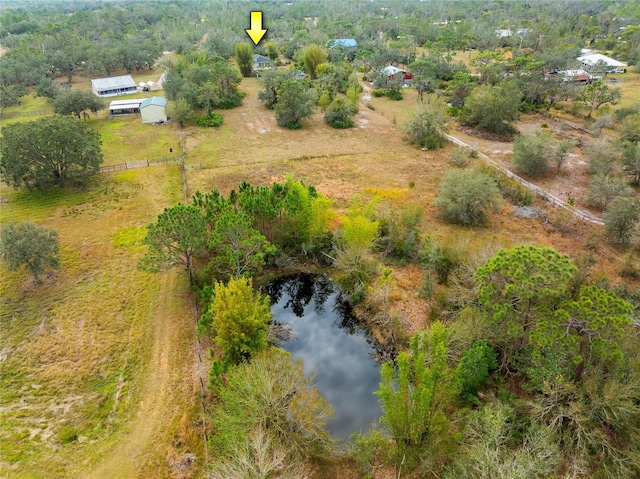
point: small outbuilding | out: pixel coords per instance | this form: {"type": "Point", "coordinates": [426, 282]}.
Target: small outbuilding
{"type": "Point", "coordinates": [113, 86]}
{"type": "Point", "coordinates": [153, 110]}
{"type": "Point", "coordinates": [393, 72]}
{"type": "Point", "coordinates": [124, 107]}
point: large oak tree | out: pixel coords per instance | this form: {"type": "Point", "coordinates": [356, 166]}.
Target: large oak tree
{"type": "Point", "coordinates": [49, 151]}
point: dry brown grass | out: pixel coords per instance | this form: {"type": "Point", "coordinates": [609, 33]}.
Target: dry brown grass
{"type": "Point", "coordinates": [104, 349]}
{"type": "Point", "coordinates": [100, 347]}
{"type": "Point", "coordinates": [367, 159]}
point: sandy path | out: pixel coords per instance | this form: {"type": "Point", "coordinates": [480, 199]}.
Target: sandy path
{"type": "Point", "coordinates": [170, 383]}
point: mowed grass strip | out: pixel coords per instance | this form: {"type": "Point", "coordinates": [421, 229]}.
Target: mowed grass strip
{"type": "Point", "coordinates": [126, 139]}
{"type": "Point", "coordinates": [76, 349]}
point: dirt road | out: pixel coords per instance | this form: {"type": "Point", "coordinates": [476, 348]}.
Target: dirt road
{"type": "Point", "coordinates": [169, 385]}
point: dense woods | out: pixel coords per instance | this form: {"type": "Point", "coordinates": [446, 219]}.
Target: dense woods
{"type": "Point", "coordinates": [524, 361]}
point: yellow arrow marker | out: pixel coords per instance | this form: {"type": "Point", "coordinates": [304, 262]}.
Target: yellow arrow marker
{"type": "Point", "coordinates": [256, 32]}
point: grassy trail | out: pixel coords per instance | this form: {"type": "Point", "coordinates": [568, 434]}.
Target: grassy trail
{"type": "Point", "coordinates": [170, 382]}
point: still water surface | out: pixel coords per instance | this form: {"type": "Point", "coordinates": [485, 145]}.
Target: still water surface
{"type": "Point", "coordinates": [332, 345]}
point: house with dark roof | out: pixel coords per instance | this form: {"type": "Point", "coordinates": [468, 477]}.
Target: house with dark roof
{"type": "Point", "coordinates": [113, 86]}
{"type": "Point", "coordinates": [261, 62]}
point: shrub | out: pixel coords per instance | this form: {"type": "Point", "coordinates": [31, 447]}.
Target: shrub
{"type": "Point", "coordinates": [496, 449]}
{"type": "Point", "coordinates": [621, 218]}
{"type": "Point", "coordinates": [492, 108]}
{"type": "Point", "coordinates": [603, 157]}
{"type": "Point", "coordinates": [380, 92]}
{"type": "Point", "coordinates": [459, 158]}
{"type": "Point", "coordinates": [529, 152]}
{"type": "Point", "coordinates": [213, 119]}
{"type": "Point", "coordinates": [442, 260]}
{"type": "Point", "coordinates": [465, 195]}
{"type": "Point", "coordinates": [426, 124]}
{"type": "Point", "coordinates": [271, 392]}
{"type": "Point", "coordinates": [393, 94]}
{"type": "Point", "coordinates": [604, 188]}
{"type": "Point", "coordinates": [340, 113]}
{"type": "Point", "coordinates": [474, 367]}
{"type": "Point", "coordinates": [356, 269]}
{"type": "Point", "coordinates": [622, 113]}
{"type": "Point", "coordinates": [366, 449]}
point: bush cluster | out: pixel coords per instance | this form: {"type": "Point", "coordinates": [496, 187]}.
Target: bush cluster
{"type": "Point", "coordinates": [211, 120]}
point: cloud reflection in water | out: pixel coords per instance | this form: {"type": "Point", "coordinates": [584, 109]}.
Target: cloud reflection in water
{"type": "Point", "coordinates": [346, 374]}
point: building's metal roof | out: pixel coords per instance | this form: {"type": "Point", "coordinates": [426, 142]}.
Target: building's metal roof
{"type": "Point", "coordinates": [113, 83]}
{"type": "Point", "coordinates": [260, 59]}
{"type": "Point", "coordinates": [594, 58]}
{"type": "Point", "coordinates": [124, 104]}
{"type": "Point", "coordinates": [344, 42]}
{"type": "Point", "coordinates": [392, 70]}
{"type": "Point", "coordinates": [154, 100]}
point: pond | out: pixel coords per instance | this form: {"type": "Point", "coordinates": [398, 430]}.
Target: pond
{"type": "Point", "coordinates": [332, 345]}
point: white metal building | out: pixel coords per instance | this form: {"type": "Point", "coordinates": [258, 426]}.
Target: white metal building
{"type": "Point", "coordinates": [600, 63]}
{"type": "Point", "coordinates": [153, 109]}
{"type": "Point", "coordinates": [124, 107]}
{"type": "Point", "coordinates": [114, 86]}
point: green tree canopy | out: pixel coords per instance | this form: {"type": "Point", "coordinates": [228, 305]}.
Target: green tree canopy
{"type": "Point", "coordinates": [244, 58]}
{"type": "Point", "coordinates": [238, 249]}
{"type": "Point", "coordinates": [271, 81]}
{"type": "Point", "coordinates": [312, 56]}
{"type": "Point", "coordinates": [492, 108]}
{"type": "Point", "coordinates": [181, 111]}
{"type": "Point", "coordinates": [517, 286]}
{"type": "Point", "coordinates": [587, 330]}
{"type": "Point", "coordinates": [415, 391]}
{"type": "Point", "coordinates": [597, 94]}
{"type": "Point", "coordinates": [294, 104]}
{"type": "Point", "coordinates": [176, 238]}
{"type": "Point", "coordinates": [48, 151]}
{"type": "Point", "coordinates": [75, 102]}
{"type": "Point", "coordinates": [34, 247]}
{"type": "Point", "coordinates": [238, 317]}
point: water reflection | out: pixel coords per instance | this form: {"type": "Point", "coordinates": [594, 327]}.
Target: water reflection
{"type": "Point", "coordinates": [332, 345]}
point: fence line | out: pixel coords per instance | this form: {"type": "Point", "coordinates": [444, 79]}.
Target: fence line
{"type": "Point", "coordinates": [536, 189]}
{"type": "Point", "coordinates": [20, 114]}
{"type": "Point", "coordinates": [140, 163]}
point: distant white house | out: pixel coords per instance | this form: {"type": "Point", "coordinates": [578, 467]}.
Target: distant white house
{"type": "Point", "coordinates": [596, 62]}
{"type": "Point", "coordinates": [506, 33]}
{"type": "Point", "coordinates": [113, 86]}
{"type": "Point", "coordinates": [153, 110]}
